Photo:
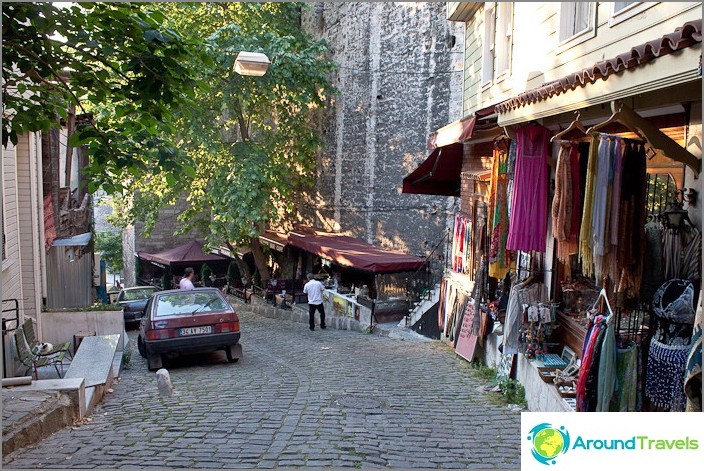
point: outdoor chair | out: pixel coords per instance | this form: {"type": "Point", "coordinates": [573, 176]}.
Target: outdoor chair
{"type": "Point", "coordinates": [32, 361]}
{"type": "Point", "coordinates": [33, 343]}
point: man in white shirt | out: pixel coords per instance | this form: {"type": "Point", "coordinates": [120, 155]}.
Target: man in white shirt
{"type": "Point", "coordinates": [314, 290]}
{"type": "Point", "coordinates": [187, 280]}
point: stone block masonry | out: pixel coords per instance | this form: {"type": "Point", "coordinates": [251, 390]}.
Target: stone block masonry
{"type": "Point", "coordinates": [399, 79]}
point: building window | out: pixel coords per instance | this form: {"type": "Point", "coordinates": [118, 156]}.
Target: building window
{"type": "Point", "coordinates": [619, 6]}
{"type": "Point", "coordinates": [498, 35]}
{"type": "Point", "coordinates": [489, 46]}
{"type": "Point", "coordinates": [621, 11]}
{"type": "Point", "coordinates": [503, 41]}
{"type": "Point", "coordinates": [577, 22]}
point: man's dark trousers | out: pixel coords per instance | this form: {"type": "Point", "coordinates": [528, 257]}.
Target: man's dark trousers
{"type": "Point", "coordinates": [311, 315]}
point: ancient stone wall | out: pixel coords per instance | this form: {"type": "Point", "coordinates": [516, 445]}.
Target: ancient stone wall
{"type": "Point", "coordinates": [399, 78]}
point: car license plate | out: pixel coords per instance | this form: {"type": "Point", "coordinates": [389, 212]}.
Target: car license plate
{"type": "Point", "coordinates": [206, 329]}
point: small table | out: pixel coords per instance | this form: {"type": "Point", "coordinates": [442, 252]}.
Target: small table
{"type": "Point", "coordinates": [78, 338]}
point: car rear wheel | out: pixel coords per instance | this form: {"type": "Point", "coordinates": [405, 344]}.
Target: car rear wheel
{"type": "Point", "coordinates": [141, 347]}
{"type": "Point", "coordinates": [154, 362]}
{"type": "Point", "coordinates": [230, 355]}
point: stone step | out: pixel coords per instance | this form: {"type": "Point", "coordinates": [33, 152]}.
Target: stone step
{"type": "Point", "coordinates": [33, 416]}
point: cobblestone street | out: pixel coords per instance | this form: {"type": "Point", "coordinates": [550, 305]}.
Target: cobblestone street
{"type": "Point", "coordinates": [298, 398]}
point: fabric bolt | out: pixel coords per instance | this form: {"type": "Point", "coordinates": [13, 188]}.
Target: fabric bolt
{"type": "Point", "coordinates": [585, 234]}
{"type": "Point", "coordinates": [528, 222]}
{"type": "Point", "coordinates": [606, 381]}
{"type": "Point", "coordinates": [627, 383]}
{"type": "Point", "coordinates": [665, 376]}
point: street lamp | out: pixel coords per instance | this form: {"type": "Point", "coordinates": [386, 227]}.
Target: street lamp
{"type": "Point", "coordinates": [251, 63]}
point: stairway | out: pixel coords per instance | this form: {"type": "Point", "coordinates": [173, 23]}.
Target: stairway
{"type": "Point", "coordinates": [421, 307]}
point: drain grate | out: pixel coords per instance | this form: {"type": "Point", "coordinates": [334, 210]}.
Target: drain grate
{"type": "Point", "coordinates": [359, 403]}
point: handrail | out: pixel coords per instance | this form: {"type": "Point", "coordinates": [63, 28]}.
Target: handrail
{"type": "Point", "coordinates": [5, 321]}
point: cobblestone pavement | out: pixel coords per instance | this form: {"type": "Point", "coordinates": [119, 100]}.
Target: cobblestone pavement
{"type": "Point", "coordinates": [298, 398]}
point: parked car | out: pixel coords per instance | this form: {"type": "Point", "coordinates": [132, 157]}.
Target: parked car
{"type": "Point", "coordinates": [180, 322]}
{"type": "Point", "coordinates": [133, 301]}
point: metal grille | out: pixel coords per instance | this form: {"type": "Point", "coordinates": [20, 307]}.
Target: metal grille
{"type": "Point", "coordinates": [661, 189]}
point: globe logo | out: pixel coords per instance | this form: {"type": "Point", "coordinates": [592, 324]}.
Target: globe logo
{"type": "Point", "coordinates": [548, 442]}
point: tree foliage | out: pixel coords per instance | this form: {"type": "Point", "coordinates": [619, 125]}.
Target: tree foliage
{"type": "Point", "coordinates": [251, 138]}
{"type": "Point", "coordinates": [127, 75]}
{"type": "Point", "coordinates": [110, 245]}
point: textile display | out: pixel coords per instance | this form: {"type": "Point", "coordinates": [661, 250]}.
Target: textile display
{"type": "Point", "coordinates": [693, 367]}
{"type": "Point", "coordinates": [682, 249]}
{"type": "Point", "coordinates": [606, 381]}
{"type": "Point", "coordinates": [585, 234]}
{"type": "Point", "coordinates": [528, 221]}
{"type": "Point", "coordinates": [588, 349]}
{"type": "Point", "coordinates": [461, 244]}
{"type": "Point", "coordinates": [665, 375]}
{"type": "Point", "coordinates": [631, 236]}
{"type": "Point", "coordinates": [499, 257]}
{"type": "Point", "coordinates": [566, 201]}
{"type": "Point", "coordinates": [523, 293]}
{"type": "Point", "coordinates": [627, 379]}
{"type": "Point", "coordinates": [510, 173]}
{"type": "Point", "coordinates": [654, 276]}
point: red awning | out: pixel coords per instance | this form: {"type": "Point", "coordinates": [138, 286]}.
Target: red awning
{"type": "Point", "coordinates": [453, 133]}
{"type": "Point", "coordinates": [192, 252]}
{"type": "Point", "coordinates": [439, 174]}
{"type": "Point", "coordinates": [353, 253]}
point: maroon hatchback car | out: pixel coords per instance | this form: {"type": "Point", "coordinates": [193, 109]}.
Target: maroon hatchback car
{"type": "Point", "coordinates": [180, 322]}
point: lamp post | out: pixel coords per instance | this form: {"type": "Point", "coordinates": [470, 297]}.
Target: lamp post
{"type": "Point", "coordinates": [251, 63]}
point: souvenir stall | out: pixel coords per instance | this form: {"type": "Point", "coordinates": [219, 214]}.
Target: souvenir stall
{"type": "Point", "coordinates": [608, 299]}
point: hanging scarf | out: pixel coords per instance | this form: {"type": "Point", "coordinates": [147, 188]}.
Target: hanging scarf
{"type": "Point", "coordinates": [499, 257]}
{"type": "Point", "coordinates": [563, 204]}
{"type": "Point", "coordinates": [585, 235]}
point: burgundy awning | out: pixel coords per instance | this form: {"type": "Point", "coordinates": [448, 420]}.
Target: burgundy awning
{"type": "Point", "coordinates": [353, 253]}
{"type": "Point", "coordinates": [439, 174]}
{"type": "Point", "coordinates": [452, 133]}
{"type": "Point", "coordinates": [192, 252]}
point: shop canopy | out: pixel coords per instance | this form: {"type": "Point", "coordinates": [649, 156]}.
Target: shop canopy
{"type": "Point", "coordinates": [439, 174]}
{"type": "Point", "coordinates": [352, 252]}
{"type": "Point", "coordinates": [192, 252]}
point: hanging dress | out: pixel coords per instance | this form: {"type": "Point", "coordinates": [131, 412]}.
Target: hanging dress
{"type": "Point", "coordinates": [499, 257]}
{"type": "Point", "coordinates": [529, 205]}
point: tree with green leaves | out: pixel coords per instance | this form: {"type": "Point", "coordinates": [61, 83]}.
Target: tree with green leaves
{"type": "Point", "coordinates": [250, 138]}
{"type": "Point", "coordinates": [115, 66]}
{"type": "Point", "coordinates": [109, 244]}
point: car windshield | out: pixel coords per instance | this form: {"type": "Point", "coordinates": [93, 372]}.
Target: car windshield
{"type": "Point", "coordinates": [137, 294]}
{"type": "Point", "coordinates": [189, 301]}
